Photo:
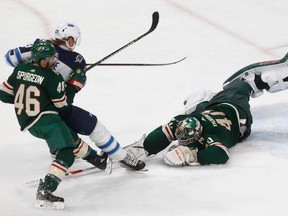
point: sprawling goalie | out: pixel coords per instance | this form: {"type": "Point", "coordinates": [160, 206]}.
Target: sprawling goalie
{"type": "Point", "coordinates": [204, 134]}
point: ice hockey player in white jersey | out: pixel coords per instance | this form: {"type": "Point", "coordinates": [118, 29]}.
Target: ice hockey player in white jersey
{"type": "Point", "coordinates": [66, 37]}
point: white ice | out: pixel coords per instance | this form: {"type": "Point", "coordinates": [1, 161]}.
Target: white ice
{"type": "Point", "coordinates": [218, 38]}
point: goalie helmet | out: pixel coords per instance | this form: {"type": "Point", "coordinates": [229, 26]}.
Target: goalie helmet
{"type": "Point", "coordinates": [188, 131]}
{"type": "Point", "coordinates": [43, 49]}
{"type": "Point", "coordinates": [65, 30]}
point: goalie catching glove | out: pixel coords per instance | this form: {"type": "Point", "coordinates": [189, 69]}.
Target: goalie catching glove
{"type": "Point", "coordinates": [179, 155]}
{"type": "Point", "coordinates": [77, 79]}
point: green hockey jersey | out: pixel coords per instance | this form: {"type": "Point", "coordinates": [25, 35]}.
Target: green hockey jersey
{"type": "Point", "coordinates": [220, 132]}
{"type": "Point", "coordinates": [34, 91]}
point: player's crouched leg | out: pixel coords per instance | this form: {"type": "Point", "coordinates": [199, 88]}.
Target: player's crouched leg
{"type": "Point", "coordinates": [60, 141]}
{"type": "Point", "coordinates": [57, 170]}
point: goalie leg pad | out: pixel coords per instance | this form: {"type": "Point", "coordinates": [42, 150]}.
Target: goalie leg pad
{"type": "Point", "coordinates": [277, 80]}
{"type": "Point", "coordinates": [271, 77]}
{"type": "Point", "coordinates": [136, 149]}
{"type": "Point", "coordinates": [272, 80]}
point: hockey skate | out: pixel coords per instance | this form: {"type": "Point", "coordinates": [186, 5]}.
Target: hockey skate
{"type": "Point", "coordinates": [132, 163]}
{"type": "Point", "coordinates": [45, 199]}
{"type": "Point", "coordinates": [102, 162]}
{"type": "Point", "coordinates": [99, 161]}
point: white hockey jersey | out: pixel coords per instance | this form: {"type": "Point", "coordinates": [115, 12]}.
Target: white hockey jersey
{"type": "Point", "coordinates": [67, 62]}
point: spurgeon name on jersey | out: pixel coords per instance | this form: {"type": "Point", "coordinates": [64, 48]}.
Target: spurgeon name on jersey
{"type": "Point", "coordinates": [26, 76]}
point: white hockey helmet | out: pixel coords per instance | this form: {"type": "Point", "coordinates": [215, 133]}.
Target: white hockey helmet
{"type": "Point", "coordinates": [65, 30]}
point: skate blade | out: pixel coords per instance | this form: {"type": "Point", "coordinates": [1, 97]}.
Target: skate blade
{"type": "Point", "coordinates": [133, 170]}
{"type": "Point", "coordinates": [109, 165]}
{"type": "Point", "coordinates": [49, 205]}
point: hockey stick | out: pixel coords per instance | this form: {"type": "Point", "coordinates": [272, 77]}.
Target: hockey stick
{"type": "Point", "coordinates": [71, 173]}
{"type": "Point", "coordinates": [75, 172]}
{"type": "Point", "coordinates": [140, 64]}
{"type": "Point", "coordinates": [155, 20]}
{"type": "Point", "coordinates": [108, 170]}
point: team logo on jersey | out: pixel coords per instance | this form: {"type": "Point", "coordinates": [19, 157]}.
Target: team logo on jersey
{"type": "Point", "coordinates": [79, 58]}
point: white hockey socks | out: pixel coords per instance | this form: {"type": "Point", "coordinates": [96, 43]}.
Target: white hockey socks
{"type": "Point", "coordinates": [107, 143]}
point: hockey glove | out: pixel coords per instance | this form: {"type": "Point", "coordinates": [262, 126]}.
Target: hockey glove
{"type": "Point", "coordinates": [181, 156]}
{"type": "Point", "coordinates": [77, 79]}
{"type": "Point", "coordinates": [196, 98]}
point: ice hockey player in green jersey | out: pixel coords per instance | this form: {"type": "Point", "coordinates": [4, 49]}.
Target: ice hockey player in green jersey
{"type": "Point", "coordinates": [66, 37]}
{"type": "Point", "coordinates": [206, 131]}
{"type": "Point", "coordinates": [38, 93]}
{"type": "Point", "coordinates": [205, 135]}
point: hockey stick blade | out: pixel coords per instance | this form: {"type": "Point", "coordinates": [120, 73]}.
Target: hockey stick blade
{"type": "Point", "coordinates": [155, 21]}
{"type": "Point", "coordinates": [141, 64]}
{"type": "Point", "coordinates": [109, 165]}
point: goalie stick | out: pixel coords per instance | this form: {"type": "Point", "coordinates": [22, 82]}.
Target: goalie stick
{"type": "Point", "coordinates": [140, 64]}
{"type": "Point", "coordinates": [155, 20]}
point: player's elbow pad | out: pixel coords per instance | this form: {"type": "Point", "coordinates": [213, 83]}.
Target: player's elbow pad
{"type": "Point", "coordinates": [215, 154]}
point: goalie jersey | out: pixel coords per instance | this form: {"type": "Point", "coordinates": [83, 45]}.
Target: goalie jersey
{"type": "Point", "coordinates": [220, 132]}
{"type": "Point", "coordinates": [68, 61]}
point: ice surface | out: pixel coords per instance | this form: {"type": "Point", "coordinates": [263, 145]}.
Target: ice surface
{"type": "Point", "coordinates": [218, 38]}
